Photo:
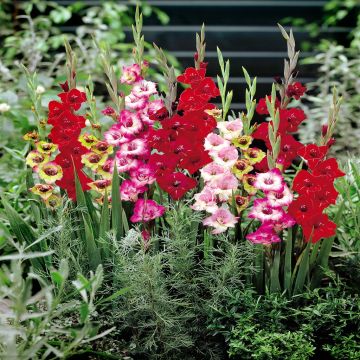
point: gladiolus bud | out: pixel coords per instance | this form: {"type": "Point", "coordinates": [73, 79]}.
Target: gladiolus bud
{"type": "Point", "coordinates": [324, 130]}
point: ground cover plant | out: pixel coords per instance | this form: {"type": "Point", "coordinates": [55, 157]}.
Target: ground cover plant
{"type": "Point", "coordinates": [188, 230]}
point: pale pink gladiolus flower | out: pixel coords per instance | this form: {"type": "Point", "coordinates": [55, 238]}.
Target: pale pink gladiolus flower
{"type": "Point", "coordinates": [270, 181]}
{"type": "Point", "coordinates": [280, 198]}
{"type": "Point", "coordinates": [224, 186]}
{"type": "Point", "coordinates": [205, 201]}
{"type": "Point", "coordinates": [129, 191]}
{"type": "Point", "coordinates": [263, 211]}
{"type": "Point", "coordinates": [220, 220]}
{"type": "Point", "coordinates": [226, 156]}
{"type": "Point", "coordinates": [146, 210]}
{"type": "Point", "coordinates": [214, 142]}
{"type": "Point", "coordinates": [212, 171]}
{"type": "Point", "coordinates": [230, 129]}
{"type": "Point", "coordinates": [131, 74]}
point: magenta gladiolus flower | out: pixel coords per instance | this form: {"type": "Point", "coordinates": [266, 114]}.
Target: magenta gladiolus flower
{"type": "Point", "coordinates": [264, 235]}
{"type": "Point", "coordinates": [131, 74]}
{"type": "Point", "coordinates": [129, 190]}
{"type": "Point", "coordinates": [146, 210]}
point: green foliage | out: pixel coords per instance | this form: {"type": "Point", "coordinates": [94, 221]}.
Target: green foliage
{"type": "Point", "coordinates": [315, 324]}
{"type": "Point", "coordinates": [346, 250]}
{"type": "Point", "coordinates": [40, 319]}
{"type": "Point", "coordinates": [337, 67]}
{"type": "Point", "coordinates": [172, 292]}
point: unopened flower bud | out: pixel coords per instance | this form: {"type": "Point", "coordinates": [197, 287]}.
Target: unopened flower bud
{"type": "Point", "coordinates": [87, 122]}
{"type": "Point", "coordinates": [4, 107]}
{"type": "Point", "coordinates": [40, 90]}
{"type": "Point", "coordinates": [331, 142]}
{"type": "Point", "coordinates": [324, 130]}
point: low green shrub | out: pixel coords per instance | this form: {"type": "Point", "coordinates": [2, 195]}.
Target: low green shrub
{"type": "Point", "coordinates": [320, 324]}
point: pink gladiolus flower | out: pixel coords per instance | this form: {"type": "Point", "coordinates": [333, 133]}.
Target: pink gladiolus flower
{"type": "Point", "coordinates": [213, 171]}
{"type": "Point", "coordinates": [115, 137]}
{"type": "Point", "coordinates": [136, 147]}
{"type": "Point", "coordinates": [135, 102]}
{"type": "Point", "coordinates": [143, 175]}
{"type": "Point", "coordinates": [154, 106]}
{"type": "Point", "coordinates": [285, 222]}
{"type": "Point", "coordinates": [280, 198]}
{"type": "Point", "coordinates": [205, 201]}
{"type": "Point", "coordinates": [130, 123]}
{"type": "Point", "coordinates": [125, 163]}
{"type": "Point", "coordinates": [220, 220]}
{"type": "Point", "coordinates": [214, 142]}
{"type": "Point", "coordinates": [230, 129]}
{"type": "Point", "coordinates": [265, 235]}
{"type": "Point", "coordinates": [144, 88]}
{"type": "Point", "coordinates": [146, 210]}
{"type": "Point", "coordinates": [263, 211]}
{"type": "Point", "coordinates": [226, 156]}
{"type": "Point", "coordinates": [129, 190]}
{"type": "Point", "coordinates": [270, 181]}
{"type": "Point", "coordinates": [224, 186]}
{"type": "Point", "coordinates": [131, 74]}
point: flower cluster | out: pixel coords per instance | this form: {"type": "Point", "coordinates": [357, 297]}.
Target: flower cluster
{"type": "Point", "coordinates": [316, 192]}
{"type": "Point", "coordinates": [66, 128]}
{"type": "Point", "coordinates": [129, 135]}
{"type": "Point", "coordinates": [179, 141]}
{"type": "Point", "coordinates": [290, 119]}
{"type": "Point", "coordinates": [221, 176]}
{"type": "Point", "coordinates": [270, 209]}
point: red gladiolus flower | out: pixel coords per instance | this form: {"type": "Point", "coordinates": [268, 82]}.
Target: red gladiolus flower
{"type": "Point", "coordinates": [302, 208]}
{"type": "Point", "coordinates": [162, 164]}
{"type": "Point", "coordinates": [176, 184]}
{"type": "Point", "coordinates": [261, 107]}
{"type": "Point", "coordinates": [325, 197]}
{"type": "Point", "coordinates": [295, 90]}
{"type": "Point", "coordinates": [191, 76]}
{"type": "Point", "coordinates": [195, 161]}
{"type": "Point", "coordinates": [328, 168]}
{"type": "Point", "coordinates": [68, 182]}
{"type": "Point", "coordinates": [290, 119]}
{"type": "Point", "coordinates": [313, 154]}
{"type": "Point", "coordinates": [206, 89]}
{"type": "Point", "coordinates": [318, 227]}
{"type": "Point", "coordinates": [305, 182]}
{"type": "Point", "coordinates": [73, 98]}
